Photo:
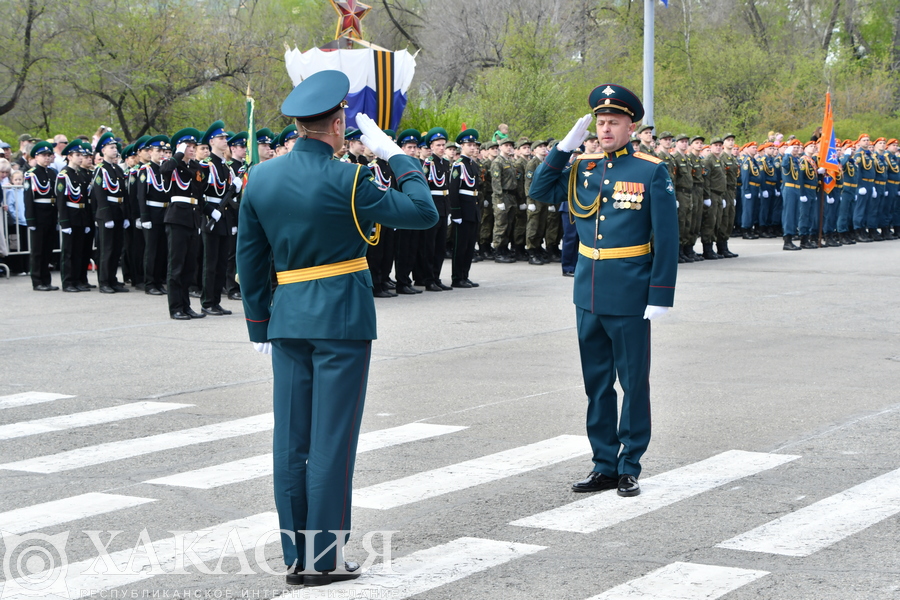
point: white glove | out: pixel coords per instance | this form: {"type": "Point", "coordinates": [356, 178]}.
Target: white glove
{"type": "Point", "coordinates": [777, 193]}
{"type": "Point", "coordinates": [126, 224]}
{"type": "Point", "coordinates": [552, 208]}
{"type": "Point", "coordinates": [487, 203]}
{"type": "Point", "coordinates": [57, 226]}
{"type": "Point", "coordinates": [375, 139]}
{"type": "Point", "coordinates": [723, 202]}
{"type": "Point", "coordinates": [734, 202]}
{"type": "Point", "coordinates": [830, 200]}
{"type": "Point", "coordinates": [181, 147]}
{"type": "Point", "coordinates": [137, 224]}
{"type": "Point", "coordinates": [653, 312]}
{"type": "Point", "coordinates": [874, 193]}
{"type": "Point", "coordinates": [32, 229]}
{"type": "Point", "coordinates": [67, 230]}
{"type": "Point", "coordinates": [522, 207]}
{"type": "Point", "coordinates": [146, 224]}
{"type": "Point", "coordinates": [747, 196]}
{"type": "Point", "coordinates": [862, 191]}
{"type": "Point", "coordinates": [707, 203]}
{"type": "Point", "coordinates": [238, 184]}
{"type": "Point", "coordinates": [87, 229]}
{"type": "Point", "coordinates": [457, 221]}
{"type": "Point", "coordinates": [501, 206]}
{"type": "Point", "coordinates": [765, 194]}
{"type": "Point", "coordinates": [532, 207]}
{"type": "Point", "coordinates": [263, 348]}
{"type": "Point", "coordinates": [216, 215]}
{"type": "Point", "coordinates": [234, 231]}
{"type": "Point", "coordinates": [803, 198]}
{"type": "Point", "coordinates": [576, 136]}
{"type": "Point", "coordinates": [847, 151]}
{"type": "Point", "coordinates": [109, 224]}
{"type": "Point", "coordinates": [821, 170]}
{"type": "Point", "coordinates": [677, 205]}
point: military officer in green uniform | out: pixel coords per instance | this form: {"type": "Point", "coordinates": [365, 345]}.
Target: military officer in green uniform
{"type": "Point", "coordinates": [522, 156]}
{"type": "Point", "coordinates": [714, 203]}
{"type": "Point", "coordinates": [645, 135]}
{"type": "Point", "coordinates": [505, 202]}
{"type": "Point", "coordinates": [620, 201]}
{"type": "Point", "coordinates": [732, 174]}
{"type": "Point", "coordinates": [486, 227]}
{"type": "Point", "coordinates": [537, 212]}
{"type": "Point", "coordinates": [684, 194]}
{"type": "Point", "coordinates": [699, 189]}
{"type": "Point", "coordinates": [310, 216]}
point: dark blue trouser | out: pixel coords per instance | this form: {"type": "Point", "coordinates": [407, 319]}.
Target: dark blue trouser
{"type": "Point", "coordinates": [750, 211]}
{"type": "Point", "coordinates": [845, 211]}
{"type": "Point", "coordinates": [319, 393]}
{"type": "Point", "coordinates": [889, 206]}
{"type": "Point", "coordinates": [873, 210]}
{"type": "Point", "coordinates": [830, 214]}
{"type": "Point", "coordinates": [808, 221]}
{"type": "Point", "coordinates": [766, 205]}
{"type": "Point", "coordinates": [569, 244]}
{"type": "Point", "coordinates": [862, 205]}
{"type": "Point", "coordinates": [611, 346]}
{"type": "Point", "coordinates": [790, 201]}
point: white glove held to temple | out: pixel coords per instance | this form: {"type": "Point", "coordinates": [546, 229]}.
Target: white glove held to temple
{"type": "Point", "coordinates": [375, 139]}
{"type": "Point", "coordinates": [577, 134]}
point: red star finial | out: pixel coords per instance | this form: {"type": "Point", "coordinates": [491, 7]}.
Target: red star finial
{"type": "Point", "coordinates": [350, 13]}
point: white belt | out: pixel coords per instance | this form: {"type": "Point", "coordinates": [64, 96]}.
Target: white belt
{"type": "Point", "coordinates": [156, 204]}
{"type": "Point", "coordinates": [75, 205]}
{"type": "Point", "coordinates": [438, 192]}
{"type": "Point", "coordinates": [117, 199]}
{"type": "Point", "coordinates": [468, 192]}
{"type": "Point", "coordinates": [43, 201]}
{"type": "Point", "coordinates": [186, 199]}
{"type": "Point", "coordinates": [213, 199]}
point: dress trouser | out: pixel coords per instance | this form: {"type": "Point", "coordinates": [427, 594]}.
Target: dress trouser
{"type": "Point", "coordinates": [380, 257]}
{"type": "Point", "coordinates": [182, 264]}
{"type": "Point", "coordinates": [215, 259]}
{"type": "Point", "coordinates": [109, 241]}
{"type": "Point", "coordinates": [41, 245]}
{"type": "Point", "coordinates": [155, 253]}
{"type": "Point", "coordinates": [862, 204]}
{"type": "Point", "coordinates": [873, 210]}
{"type": "Point", "coordinates": [407, 252]}
{"type": "Point", "coordinates": [319, 394]}
{"type": "Point", "coordinates": [830, 212]}
{"type": "Point", "coordinates": [845, 209]}
{"type": "Point", "coordinates": [750, 210]}
{"type": "Point", "coordinates": [72, 257]}
{"type": "Point", "coordinates": [432, 252]}
{"type": "Point", "coordinates": [790, 207]}
{"type": "Point", "coordinates": [569, 244]}
{"type": "Point", "coordinates": [611, 346]}
{"type": "Point", "coordinates": [134, 237]}
{"type": "Point", "coordinates": [463, 249]}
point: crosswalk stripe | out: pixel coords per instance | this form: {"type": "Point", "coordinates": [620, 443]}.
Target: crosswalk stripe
{"type": "Point", "coordinates": [825, 522]}
{"type": "Point", "coordinates": [426, 570]}
{"type": "Point", "coordinates": [112, 451]}
{"type": "Point", "coordinates": [27, 398]}
{"type": "Point", "coordinates": [84, 577]}
{"type": "Point", "coordinates": [83, 419]}
{"type": "Point", "coordinates": [683, 581]}
{"type": "Point", "coordinates": [46, 514]}
{"type": "Point", "coordinates": [606, 509]}
{"type": "Point", "coordinates": [460, 476]}
{"type": "Point", "coordinates": [261, 466]}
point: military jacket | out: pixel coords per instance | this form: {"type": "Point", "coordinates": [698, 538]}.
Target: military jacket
{"type": "Point", "coordinates": [72, 198]}
{"type": "Point", "coordinates": [790, 172]}
{"type": "Point", "coordinates": [530, 168]}
{"type": "Point", "coordinates": [732, 169]}
{"type": "Point", "coordinates": [131, 208]}
{"type": "Point", "coordinates": [39, 196]}
{"type": "Point", "coordinates": [465, 184]}
{"type": "Point", "coordinates": [892, 165]}
{"type": "Point", "coordinates": [684, 180]}
{"type": "Point", "coordinates": [770, 178]}
{"type": "Point", "coordinates": [486, 186]}
{"type": "Point", "coordinates": [809, 178]}
{"type": "Point", "coordinates": [669, 159]}
{"type": "Point", "coordinates": [108, 192]}
{"type": "Point", "coordinates": [503, 181]}
{"type": "Point", "coordinates": [617, 201]}
{"type": "Point", "coordinates": [437, 173]}
{"type": "Point", "coordinates": [849, 175]}
{"type": "Point", "coordinates": [381, 171]}
{"type": "Point", "coordinates": [647, 150]}
{"type": "Point", "coordinates": [521, 191]}
{"type": "Point", "coordinates": [185, 184]}
{"type": "Point", "coordinates": [866, 165]}
{"type": "Point", "coordinates": [881, 175]}
{"type": "Point", "coordinates": [751, 175]}
{"type": "Point", "coordinates": [217, 188]}
{"type": "Point", "coordinates": [716, 178]}
{"type": "Point", "coordinates": [152, 194]}
{"type": "Point", "coordinates": [299, 210]}
{"type": "Point", "coordinates": [697, 171]}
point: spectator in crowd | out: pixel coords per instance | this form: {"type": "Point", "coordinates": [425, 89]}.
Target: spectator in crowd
{"type": "Point", "coordinates": [59, 142]}
{"type": "Point", "coordinates": [25, 144]}
{"type": "Point", "coordinates": [5, 168]}
{"type": "Point", "coordinates": [14, 205]}
{"type": "Point", "coordinates": [502, 132]}
{"type": "Point", "coordinates": [5, 151]}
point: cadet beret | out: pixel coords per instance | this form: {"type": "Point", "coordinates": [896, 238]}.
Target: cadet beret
{"type": "Point", "coordinates": [522, 142]}
{"type": "Point", "coordinates": [748, 144]}
{"type": "Point", "coordinates": [469, 135]}
{"type": "Point", "coordinates": [861, 136]}
{"type": "Point", "coordinates": [186, 135]}
{"type": "Point", "coordinates": [214, 130]}
{"type": "Point", "coordinates": [106, 138]}
{"type": "Point", "coordinates": [665, 134]}
{"type": "Point", "coordinates": [409, 136]}
{"type": "Point", "coordinates": [157, 141]}
{"type": "Point", "coordinates": [612, 98]}
{"type": "Point", "coordinates": [698, 137]}
{"type": "Point", "coordinates": [74, 146]}
{"type": "Point", "coordinates": [881, 139]}
{"type": "Point", "coordinates": [716, 140]}
{"type": "Point", "coordinates": [644, 128]}
{"type": "Point", "coordinates": [352, 134]}
{"type": "Point", "coordinates": [891, 141]}
{"type": "Point", "coordinates": [794, 142]}
{"type": "Point", "coordinates": [435, 134]}
{"type": "Point", "coordinates": [317, 96]}
{"type": "Point", "coordinates": [238, 139]}
{"type": "Point", "coordinates": [264, 136]}
{"type": "Point", "coordinates": [811, 143]}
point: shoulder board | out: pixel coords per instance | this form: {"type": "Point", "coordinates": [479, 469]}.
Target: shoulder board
{"type": "Point", "coordinates": [600, 156]}
{"type": "Point", "coordinates": [647, 157]}
{"type": "Point", "coordinates": [31, 170]}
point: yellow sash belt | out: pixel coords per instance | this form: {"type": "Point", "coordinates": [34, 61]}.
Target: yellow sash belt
{"type": "Point", "coordinates": [607, 253]}
{"type": "Point", "coordinates": [323, 271]}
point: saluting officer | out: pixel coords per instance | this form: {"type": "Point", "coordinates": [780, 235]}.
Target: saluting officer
{"type": "Point", "coordinates": [620, 201]}
{"type": "Point", "coordinates": [74, 217]}
{"type": "Point", "coordinates": [153, 200]}
{"type": "Point", "coordinates": [108, 192]}
{"type": "Point", "coordinates": [309, 217]}
{"type": "Point", "coordinates": [464, 192]}
{"type": "Point", "coordinates": [41, 214]}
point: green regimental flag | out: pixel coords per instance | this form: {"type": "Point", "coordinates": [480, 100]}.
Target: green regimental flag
{"type": "Point", "coordinates": [253, 155]}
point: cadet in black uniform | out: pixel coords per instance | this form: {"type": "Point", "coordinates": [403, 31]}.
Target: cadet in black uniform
{"type": "Point", "coordinates": [153, 200]}
{"type": "Point", "coordinates": [432, 250]}
{"type": "Point", "coordinates": [381, 255]}
{"type": "Point", "coordinates": [108, 193]}
{"type": "Point", "coordinates": [465, 183]}
{"type": "Point", "coordinates": [74, 217]}
{"type": "Point", "coordinates": [40, 214]}
{"type": "Point", "coordinates": [408, 240]}
{"type": "Point", "coordinates": [237, 144]}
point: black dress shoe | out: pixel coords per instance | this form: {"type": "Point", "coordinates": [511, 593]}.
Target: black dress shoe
{"type": "Point", "coordinates": [595, 482]}
{"type": "Point", "coordinates": [389, 285]}
{"type": "Point", "coordinates": [120, 288]}
{"type": "Point", "coordinates": [351, 571]}
{"type": "Point", "coordinates": [294, 576]}
{"type": "Point", "coordinates": [154, 291]}
{"type": "Point", "coordinates": [382, 294]}
{"type": "Point", "coordinates": [223, 311]}
{"type": "Point", "coordinates": [433, 287]}
{"type": "Point", "coordinates": [235, 296]}
{"type": "Point", "coordinates": [105, 289]}
{"type": "Point", "coordinates": [461, 284]}
{"type": "Point", "coordinates": [472, 283]}
{"type": "Point", "coordinates": [43, 288]}
{"type": "Point", "coordinates": [139, 286]}
{"type": "Point", "coordinates": [193, 314]}
{"type": "Point", "coordinates": [180, 316]}
{"type": "Point", "coordinates": [83, 288]}
{"type": "Point", "coordinates": [628, 486]}
{"type": "Point", "coordinates": [406, 290]}
{"type": "Point", "coordinates": [71, 288]}
{"type": "Point", "coordinates": [441, 285]}
{"type": "Point", "coordinates": [568, 273]}
{"type": "Point", "coordinates": [164, 289]}
{"type": "Point", "coordinates": [212, 310]}
{"type": "Point", "coordinates": [194, 294]}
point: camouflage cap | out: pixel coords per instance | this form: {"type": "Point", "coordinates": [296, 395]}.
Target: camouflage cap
{"type": "Point", "coordinates": [698, 137]}
{"type": "Point", "coordinates": [665, 134]}
{"type": "Point", "coordinates": [522, 141]}
{"type": "Point", "coordinates": [716, 140]}
{"type": "Point", "coordinates": [644, 128]}
{"type": "Point", "coordinates": [681, 136]}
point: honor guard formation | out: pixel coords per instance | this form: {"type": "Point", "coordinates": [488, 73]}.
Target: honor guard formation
{"type": "Point", "coordinates": [164, 209]}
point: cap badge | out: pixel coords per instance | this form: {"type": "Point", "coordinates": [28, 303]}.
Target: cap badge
{"type": "Point", "coordinates": [608, 91]}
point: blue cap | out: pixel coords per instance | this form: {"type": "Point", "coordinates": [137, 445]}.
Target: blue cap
{"type": "Point", "coordinates": [436, 133]}
{"type": "Point", "coordinates": [612, 98]}
{"type": "Point", "coordinates": [316, 96]}
{"type": "Point", "coordinates": [238, 139]}
{"type": "Point", "coordinates": [409, 136]}
{"type": "Point", "coordinates": [469, 135]}
{"type": "Point", "coordinates": [217, 128]}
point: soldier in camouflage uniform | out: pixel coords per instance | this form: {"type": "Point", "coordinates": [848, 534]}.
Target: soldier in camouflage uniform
{"type": "Point", "coordinates": [522, 156]}
{"type": "Point", "coordinates": [684, 185]}
{"type": "Point", "coordinates": [504, 187]}
{"type": "Point", "coordinates": [699, 189]}
{"type": "Point", "coordinates": [732, 174]}
{"type": "Point", "coordinates": [664, 152]}
{"type": "Point", "coordinates": [714, 203]}
{"type": "Point", "coordinates": [645, 135]}
{"type": "Point", "coordinates": [536, 211]}
{"type": "Point", "coordinates": [486, 228]}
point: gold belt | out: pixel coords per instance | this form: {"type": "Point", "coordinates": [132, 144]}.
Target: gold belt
{"type": "Point", "coordinates": [793, 185]}
{"type": "Point", "coordinates": [753, 183]}
{"type": "Point", "coordinates": [607, 253]}
{"type": "Point", "coordinates": [850, 184]}
{"type": "Point", "coordinates": [869, 180]}
{"type": "Point", "coordinates": [323, 271]}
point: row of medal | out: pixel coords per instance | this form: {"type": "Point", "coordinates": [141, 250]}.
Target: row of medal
{"type": "Point", "coordinates": [628, 195]}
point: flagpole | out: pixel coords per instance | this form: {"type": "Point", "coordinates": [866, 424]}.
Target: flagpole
{"type": "Point", "coordinates": [649, 20]}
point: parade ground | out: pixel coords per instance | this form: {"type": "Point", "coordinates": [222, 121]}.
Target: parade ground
{"type": "Point", "coordinates": [773, 470]}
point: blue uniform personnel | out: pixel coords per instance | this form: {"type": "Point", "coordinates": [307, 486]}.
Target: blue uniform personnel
{"type": "Point", "coordinates": [306, 215]}
{"type": "Point", "coordinates": [619, 201]}
{"type": "Point", "coordinates": [866, 189]}
{"type": "Point", "coordinates": [751, 180]}
{"type": "Point", "coordinates": [891, 208]}
{"type": "Point", "coordinates": [808, 221]}
{"type": "Point", "coordinates": [790, 194]}
{"type": "Point", "coordinates": [850, 181]}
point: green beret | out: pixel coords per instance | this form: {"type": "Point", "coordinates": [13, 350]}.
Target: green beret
{"type": "Point", "coordinates": [467, 136]}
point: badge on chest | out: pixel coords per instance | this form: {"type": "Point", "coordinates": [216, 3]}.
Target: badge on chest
{"type": "Point", "coordinates": [628, 195]}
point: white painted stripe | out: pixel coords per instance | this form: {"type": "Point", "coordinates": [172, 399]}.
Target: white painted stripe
{"type": "Point", "coordinates": [261, 466]}
{"type": "Point", "coordinates": [606, 509]}
{"type": "Point", "coordinates": [683, 581]}
{"type": "Point", "coordinates": [825, 522]}
{"type": "Point", "coordinates": [470, 473]}
{"type": "Point", "coordinates": [84, 577]}
{"type": "Point", "coordinates": [27, 398]}
{"type": "Point", "coordinates": [426, 570]}
{"type": "Point", "coordinates": [112, 451]}
{"type": "Point", "coordinates": [38, 516]}
{"type": "Point", "coordinates": [83, 419]}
